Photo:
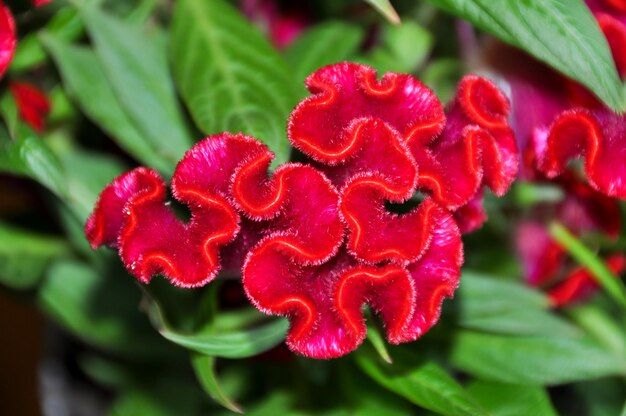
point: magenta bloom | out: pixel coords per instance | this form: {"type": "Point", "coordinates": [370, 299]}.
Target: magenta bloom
{"type": "Point", "coordinates": [8, 37]}
{"type": "Point", "coordinates": [476, 147]}
{"type": "Point", "coordinates": [314, 241]}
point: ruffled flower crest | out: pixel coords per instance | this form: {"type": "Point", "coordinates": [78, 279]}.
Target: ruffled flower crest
{"type": "Point", "coordinates": [402, 265]}
{"type": "Point", "coordinates": [367, 139]}
{"type": "Point", "coordinates": [476, 146]}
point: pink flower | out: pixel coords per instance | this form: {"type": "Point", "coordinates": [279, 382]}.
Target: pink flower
{"type": "Point", "coordinates": [8, 37]}
{"type": "Point", "coordinates": [316, 240]}
{"type": "Point", "coordinates": [32, 103]}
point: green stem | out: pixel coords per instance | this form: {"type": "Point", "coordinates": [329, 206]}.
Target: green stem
{"type": "Point", "coordinates": [583, 255]}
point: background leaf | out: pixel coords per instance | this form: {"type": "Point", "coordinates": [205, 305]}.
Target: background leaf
{"type": "Point", "coordinates": [27, 155]}
{"type": "Point", "coordinates": [135, 63]}
{"type": "Point", "coordinates": [561, 33]}
{"type": "Point", "coordinates": [204, 367]}
{"type": "Point", "coordinates": [100, 307]}
{"type": "Point", "coordinates": [85, 79]}
{"type": "Point", "coordinates": [385, 8]}
{"type": "Point", "coordinates": [403, 48]}
{"type": "Point", "coordinates": [422, 383]}
{"type": "Point", "coordinates": [539, 360]}
{"type": "Point", "coordinates": [324, 44]}
{"type": "Point", "coordinates": [24, 256]}
{"type": "Point", "coordinates": [493, 304]}
{"type": "Point", "coordinates": [512, 400]}
{"type": "Point", "coordinates": [229, 75]}
{"type": "Point", "coordinates": [228, 344]}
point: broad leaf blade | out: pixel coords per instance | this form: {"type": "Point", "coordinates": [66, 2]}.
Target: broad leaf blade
{"type": "Point", "coordinates": [327, 43]}
{"type": "Point", "coordinates": [540, 360]}
{"type": "Point", "coordinates": [100, 307]}
{"type": "Point", "coordinates": [24, 256]}
{"type": "Point", "coordinates": [425, 384]}
{"type": "Point", "coordinates": [561, 33]}
{"type": "Point", "coordinates": [493, 304]}
{"type": "Point", "coordinates": [85, 79]}
{"type": "Point", "coordinates": [229, 75]}
{"type": "Point", "coordinates": [512, 400]}
{"type": "Point", "coordinates": [136, 65]}
{"type": "Point", "coordinates": [28, 155]}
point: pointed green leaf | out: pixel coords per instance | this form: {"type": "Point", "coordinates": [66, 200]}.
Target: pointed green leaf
{"type": "Point", "coordinates": [24, 256]}
{"type": "Point", "coordinates": [540, 360]}
{"type": "Point", "coordinates": [385, 8]}
{"type": "Point", "coordinates": [26, 154]}
{"type": "Point", "coordinates": [423, 383]}
{"type": "Point", "coordinates": [85, 79]}
{"type": "Point", "coordinates": [239, 343]}
{"type": "Point", "coordinates": [229, 75]}
{"type": "Point", "coordinates": [204, 367]}
{"type": "Point", "coordinates": [561, 33]}
{"type": "Point", "coordinates": [512, 400]}
{"type": "Point", "coordinates": [493, 304]}
{"type": "Point", "coordinates": [327, 43]}
{"type": "Point", "coordinates": [135, 63]}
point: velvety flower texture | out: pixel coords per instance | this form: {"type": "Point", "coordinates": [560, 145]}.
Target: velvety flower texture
{"type": "Point", "coordinates": [367, 140]}
{"type": "Point", "coordinates": [8, 37]}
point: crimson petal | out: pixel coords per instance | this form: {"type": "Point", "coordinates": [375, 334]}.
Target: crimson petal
{"type": "Point", "coordinates": [8, 37]}
{"type": "Point", "coordinates": [599, 136]}
{"type": "Point", "coordinates": [132, 213]}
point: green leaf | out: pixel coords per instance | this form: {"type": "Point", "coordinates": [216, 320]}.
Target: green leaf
{"type": "Point", "coordinates": [541, 360]}
{"type": "Point", "coordinates": [87, 174]}
{"type": "Point", "coordinates": [24, 256]}
{"type": "Point", "coordinates": [424, 383]}
{"type": "Point", "coordinates": [327, 43]}
{"type": "Point", "coordinates": [611, 284]}
{"type": "Point", "coordinates": [135, 63]}
{"type": "Point", "coordinates": [231, 344]}
{"type": "Point", "coordinates": [561, 33]}
{"type": "Point", "coordinates": [492, 304]}
{"type": "Point", "coordinates": [27, 155]}
{"type": "Point", "coordinates": [375, 337]}
{"type": "Point", "coordinates": [65, 24]}
{"type": "Point", "coordinates": [85, 79]}
{"type": "Point", "coordinates": [229, 75]}
{"type": "Point", "coordinates": [385, 8]}
{"type": "Point", "coordinates": [100, 307]}
{"type": "Point", "coordinates": [600, 325]}
{"type": "Point", "coordinates": [512, 400]}
{"type": "Point", "coordinates": [403, 48]}
{"type": "Point", "coordinates": [204, 367]}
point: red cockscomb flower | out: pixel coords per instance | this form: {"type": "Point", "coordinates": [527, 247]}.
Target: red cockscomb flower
{"type": "Point", "coordinates": [475, 147]}
{"type": "Point", "coordinates": [403, 266]}
{"type": "Point", "coordinates": [32, 103]}
{"type": "Point", "coordinates": [219, 179]}
{"type": "Point", "coordinates": [8, 37]}
{"type": "Point", "coordinates": [363, 136]}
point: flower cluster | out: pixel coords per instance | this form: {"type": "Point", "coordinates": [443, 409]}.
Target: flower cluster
{"type": "Point", "coordinates": [314, 241]}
